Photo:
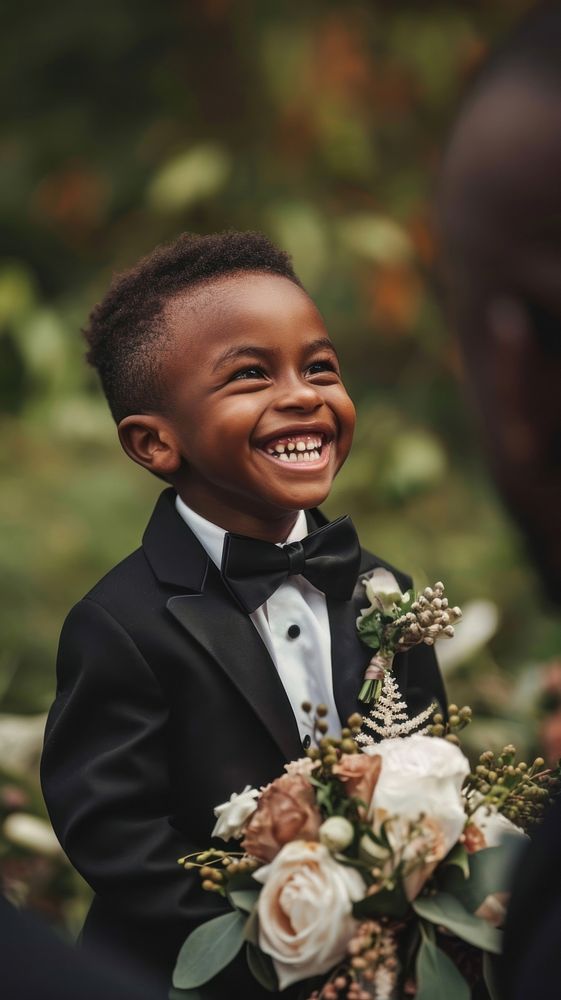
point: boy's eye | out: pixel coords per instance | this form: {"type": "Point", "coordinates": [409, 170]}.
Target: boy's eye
{"type": "Point", "coordinates": [251, 372]}
{"type": "Point", "coordinates": [323, 365]}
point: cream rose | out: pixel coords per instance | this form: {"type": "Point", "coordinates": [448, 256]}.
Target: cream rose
{"type": "Point", "coordinates": [422, 776]}
{"type": "Point", "coordinates": [232, 816]}
{"type": "Point", "coordinates": [305, 910]}
{"type": "Point", "coordinates": [382, 590]}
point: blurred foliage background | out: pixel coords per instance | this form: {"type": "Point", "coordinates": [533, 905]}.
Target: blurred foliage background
{"type": "Point", "coordinates": [320, 123]}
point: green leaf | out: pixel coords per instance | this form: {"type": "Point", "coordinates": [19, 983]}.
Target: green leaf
{"type": "Point", "coordinates": [262, 968]}
{"type": "Point", "coordinates": [392, 903]}
{"type": "Point", "coordinates": [241, 880]}
{"type": "Point", "coordinates": [244, 899]}
{"type": "Point", "coordinates": [490, 976]}
{"type": "Point", "coordinates": [447, 911]}
{"type": "Point", "coordinates": [490, 871]}
{"type": "Point", "coordinates": [458, 857]}
{"type": "Point", "coordinates": [251, 929]}
{"type": "Point", "coordinates": [208, 950]}
{"type": "Point", "coordinates": [189, 177]}
{"type": "Point", "coordinates": [437, 976]}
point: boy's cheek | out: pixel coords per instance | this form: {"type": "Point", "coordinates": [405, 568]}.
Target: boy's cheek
{"type": "Point", "coordinates": [347, 422]}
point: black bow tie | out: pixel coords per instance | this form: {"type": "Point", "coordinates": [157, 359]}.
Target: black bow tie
{"type": "Point", "coordinates": [329, 558]}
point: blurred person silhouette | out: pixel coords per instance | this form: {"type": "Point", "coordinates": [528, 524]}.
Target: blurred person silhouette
{"type": "Point", "coordinates": [35, 964]}
{"type": "Point", "coordinates": [499, 212]}
{"type": "Point", "coordinates": [550, 709]}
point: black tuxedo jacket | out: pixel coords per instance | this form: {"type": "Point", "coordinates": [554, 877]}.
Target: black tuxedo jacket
{"type": "Point", "coordinates": [531, 962]}
{"type": "Point", "coordinates": [167, 702]}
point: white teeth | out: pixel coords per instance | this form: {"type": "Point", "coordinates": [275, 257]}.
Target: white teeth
{"type": "Point", "coordinates": [300, 450]}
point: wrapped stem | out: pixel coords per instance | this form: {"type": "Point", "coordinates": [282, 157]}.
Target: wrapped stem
{"type": "Point", "coordinates": [374, 677]}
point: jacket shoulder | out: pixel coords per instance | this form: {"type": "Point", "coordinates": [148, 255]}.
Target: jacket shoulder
{"type": "Point", "coordinates": [369, 562]}
{"type": "Point", "coordinates": [127, 589]}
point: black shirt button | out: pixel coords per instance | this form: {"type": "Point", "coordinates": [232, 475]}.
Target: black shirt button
{"type": "Point", "coordinates": [307, 742]}
{"type": "Point", "coordinates": [293, 631]}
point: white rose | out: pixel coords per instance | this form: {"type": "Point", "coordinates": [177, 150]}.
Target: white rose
{"type": "Point", "coordinates": [336, 833]}
{"type": "Point", "coordinates": [422, 775]}
{"type": "Point", "coordinates": [232, 815]}
{"type": "Point", "coordinates": [494, 826]}
{"type": "Point", "coordinates": [305, 910]}
{"type": "Point", "coordinates": [31, 832]}
{"type": "Point", "coordinates": [383, 590]}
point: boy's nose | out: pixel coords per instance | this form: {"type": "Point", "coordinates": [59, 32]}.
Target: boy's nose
{"type": "Point", "coordinates": [299, 395]}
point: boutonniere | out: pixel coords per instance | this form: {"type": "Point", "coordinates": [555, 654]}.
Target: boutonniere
{"type": "Point", "coordinates": [394, 623]}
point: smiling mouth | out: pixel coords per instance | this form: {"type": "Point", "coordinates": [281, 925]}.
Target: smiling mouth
{"type": "Point", "coordinates": [303, 450]}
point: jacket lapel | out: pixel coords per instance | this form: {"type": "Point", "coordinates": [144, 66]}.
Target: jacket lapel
{"type": "Point", "coordinates": [213, 618]}
{"type": "Point", "coordinates": [349, 656]}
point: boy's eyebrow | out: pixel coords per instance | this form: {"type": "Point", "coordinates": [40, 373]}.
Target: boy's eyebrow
{"type": "Point", "coordinates": [244, 351]}
{"type": "Point", "coordinates": [251, 350]}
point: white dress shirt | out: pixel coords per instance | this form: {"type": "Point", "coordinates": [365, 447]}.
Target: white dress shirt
{"type": "Point", "coordinates": [304, 662]}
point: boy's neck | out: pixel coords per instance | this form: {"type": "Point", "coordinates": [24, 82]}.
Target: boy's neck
{"type": "Point", "coordinates": [246, 523]}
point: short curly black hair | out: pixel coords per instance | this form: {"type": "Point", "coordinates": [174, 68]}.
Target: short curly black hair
{"type": "Point", "coordinates": [126, 332]}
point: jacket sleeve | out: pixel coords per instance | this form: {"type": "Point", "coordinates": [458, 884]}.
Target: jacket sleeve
{"type": "Point", "coordinates": [105, 777]}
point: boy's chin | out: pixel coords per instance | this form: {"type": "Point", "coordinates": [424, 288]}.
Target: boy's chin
{"type": "Point", "coordinates": [304, 498]}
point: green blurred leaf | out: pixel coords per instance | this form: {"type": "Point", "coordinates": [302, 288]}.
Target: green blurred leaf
{"type": "Point", "coordinates": [444, 909]}
{"type": "Point", "coordinates": [436, 975]}
{"type": "Point", "coordinates": [490, 871]}
{"type": "Point", "coordinates": [490, 976]}
{"type": "Point", "coordinates": [459, 857]}
{"type": "Point", "coordinates": [189, 177]}
{"type": "Point", "coordinates": [262, 968]}
{"type": "Point", "coordinates": [43, 344]}
{"type": "Point", "coordinates": [300, 229]}
{"type": "Point", "coordinates": [244, 899]}
{"type": "Point", "coordinates": [393, 904]}
{"type": "Point", "coordinates": [376, 238]}
{"type": "Point", "coordinates": [17, 291]}
{"type": "Point", "coordinates": [208, 950]}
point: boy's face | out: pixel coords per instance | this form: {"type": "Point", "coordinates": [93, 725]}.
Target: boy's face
{"type": "Point", "coordinates": [256, 402]}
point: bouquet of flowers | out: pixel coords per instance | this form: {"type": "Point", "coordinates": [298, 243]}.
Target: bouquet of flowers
{"type": "Point", "coordinates": [371, 869]}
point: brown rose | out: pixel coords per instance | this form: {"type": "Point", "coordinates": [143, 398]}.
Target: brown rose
{"type": "Point", "coordinates": [359, 774]}
{"type": "Point", "coordinates": [286, 811]}
{"type": "Point", "coordinates": [473, 839]}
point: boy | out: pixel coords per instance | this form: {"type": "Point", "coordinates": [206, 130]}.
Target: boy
{"type": "Point", "coordinates": [182, 673]}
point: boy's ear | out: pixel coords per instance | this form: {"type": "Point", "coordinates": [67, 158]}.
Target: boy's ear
{"type": "Point", "coordinates": [150, 441]}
